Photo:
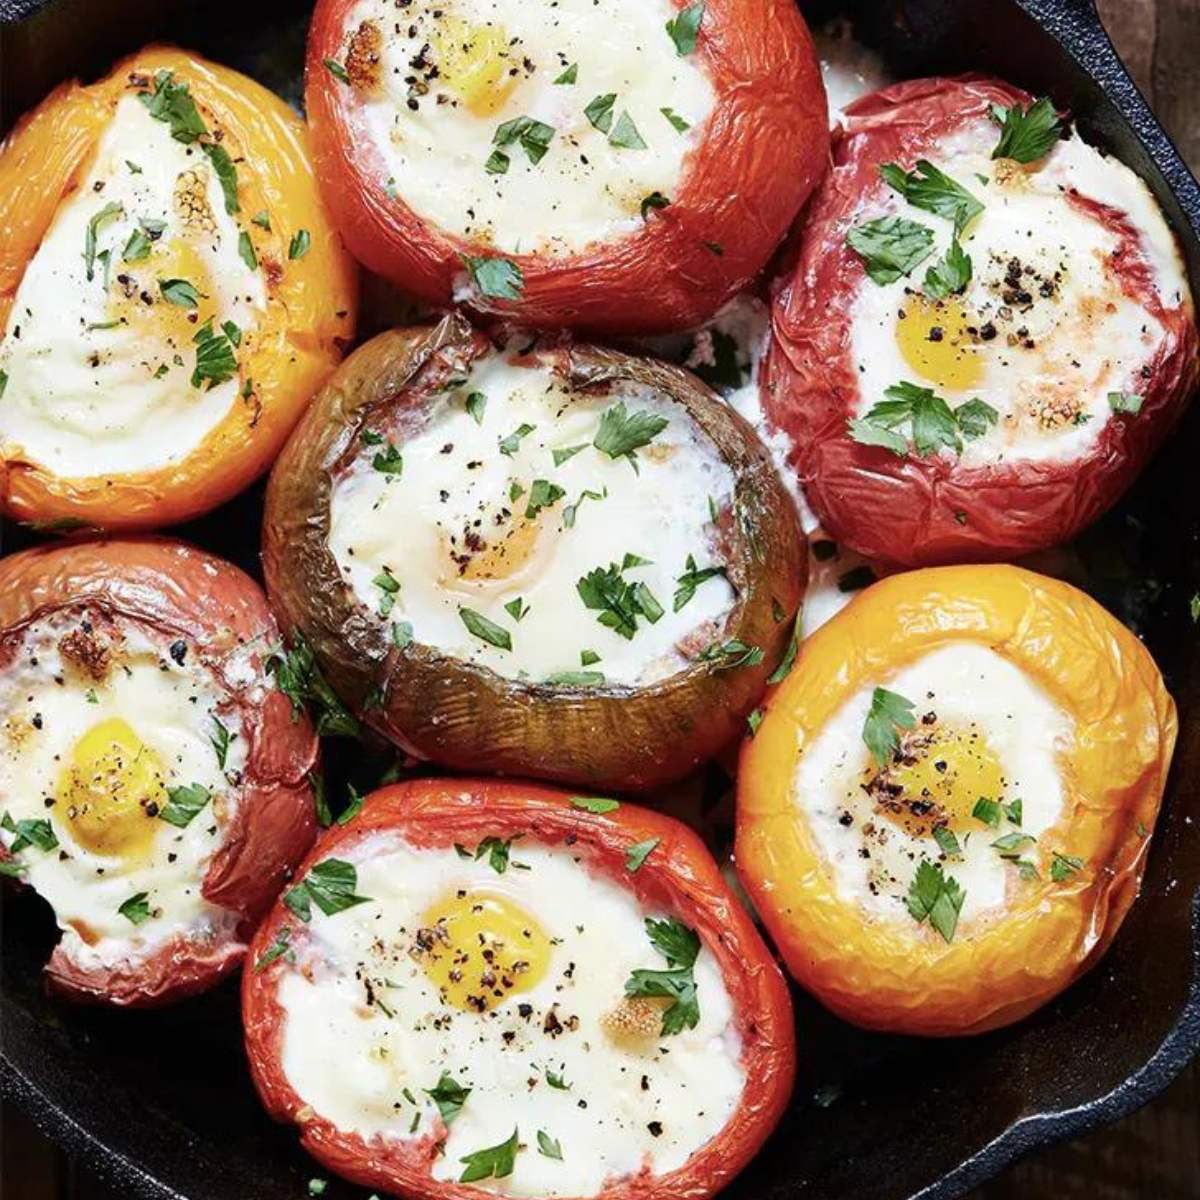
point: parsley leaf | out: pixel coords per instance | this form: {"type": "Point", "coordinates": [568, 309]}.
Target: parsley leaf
{"type": "Point", "coordinates": [179, 292]}
{"type": "Point", "coordinates": [622, 433]}
{"type": "Point", "coordinates": [388, 461]}
{"type": "Point", "coordinates": [933, 191]}
{"type": "Point", "coordinates": [510, 444]}
{"type": "Point", "coordinates": [684, 27]}
{"type": "Point", "coordinates": [618, 601]}
{"type": "Point", "coordinates": [336, 69]}
{"type": "Point", "coordinates": [1063, 866]}
{"type": "Point", "coordinates": [600, 111]}
{"type": "Point", "coordinates": [1011, 845]}
{"type": "Point", "coordinates": [637, 854]}
{"type": "Point", "coordinates": [298, 246]}
{"type": "Point", "coordinates": [556, 1081]}
{"type": "Point", "coordinates": [679, 124]}
{"type": "Point", "coordinates": [1027, 134]}
{"type": "Point", "coordinates": [517, 609]}
{"type": "Point", "coordinates": [936, 896]}
{"type": "Point", "coordinates": [136, 909]}
{"type": "Point", "coordinates": [595, 804]}
{"type": "Point", "coordinates": [488, 631]}
{"type": "Point", "coordinates": [183, 803]}
{"type": "Point", "coordinates": [497, 851]}
{"type": "Point", "coordinates": [726, 656]}
{"type": "Point", "coordinates": [103, 217]}
{"type": "Point", "coordinates": [987, 811]}
{"type": "Point", "coordinates": [494, 1162]}
{"type": "Point", "coordinates": [625, 135]}
{"type": "Point", "coordinates": [534, 137]}
{"type": "Point", "coordinates": [329, 885]}
{"type": "Point", "coordinates": [449, 1095]}
{"type": "Point", "coordinates": [947, 842]}
{"type": "Point", "coordinates": [691, 579]}
{"type": "Point", "coordinates": [215, 360]}
{"type": "Point", "coordinates": [279, 948]}
{"type": "Point", "coordinates": [172, 102]}
{"type": "Point", "coordinates": [476, 404]}
{"type": "Point", "coordinates": [542, 494]}
{"type": "Point", "coordinates": [299, 678]}
{"type": "Point", "coordinates": [1125, 402]}
{"type": "Point", "coordinates": [569, 76]}
{"type": "Point", "coordinates": [890, 247]}
{"type": "Point", "coordinates": [246, 251]}
{"type": "Point", "coordinates": [889, 713]}
{"type": "Point", "coordinates": [935, 425]}
{"type": "Point", "coordinates": [949, 275]}
{"type": "Point", "coordinates": [30, 832]}
{"type": "Point", "coordinates": [225, 172]}
{"type": "Point", "coordinates": [680, 946]}
{"type": "Point", "coordinates": [547, 1146]}
{"type": "Point", "coordinates": [496, 277]}
{"type": "Point", "coordinates": [220, 740]}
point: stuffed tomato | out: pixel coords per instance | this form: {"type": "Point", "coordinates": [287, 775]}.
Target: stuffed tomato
{"type": "Point", "coordinates": [987, 331]}
{"type": "Point", "coordinates": [477, 986]}
{"type": "Point", "coordinates": [945, 813]}
{"type": "Point", "coordinates": [623, 165]}
{"type": "Point", "coordinates": [154, 781]}
{"type": "Point", "coordinates": [171, 294]}
{"type": "Point", "coordinates": [533, 558]}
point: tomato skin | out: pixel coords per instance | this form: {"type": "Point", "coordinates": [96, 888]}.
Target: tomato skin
{"type": "Point", "coordinates": [176, 589]}
{"type": "Point", "coordinates": [308, 320]}
{"type": "Point", "coordinates": [899, 977]}
{"type": "Point", "coordinates": [920, 512]}
{"type": "Point", "coordinates": [763, 153]}
{"type": "Point", "coordinates": [679, 877]}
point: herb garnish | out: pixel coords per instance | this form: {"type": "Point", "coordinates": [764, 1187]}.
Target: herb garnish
{"type": "Point", "coordinates": [179, 292]}
{"type": "Point", "coordinates": [487, 631]}
{"type": "Point", "coordinates": [595, 804]}
{"type": "Point", "coordinates": [496, 277]}
{"type": "Point", "coordinates": [299, 678]}
{"type": "Point", "coordinates": [679, 124]}
{"type": "Point", "coordinates": [220, 739]}
{"type": "Point", "coordinates": [449, 1095]}
{"type": "Point", "coordinates": [542, 494]}
{"type": "Point", "coordinates": [933, 191]}
{"type": "Point", "coordinates": [329, 885]}
{"type": "Point", "coordinates": [336, 69]}
{"type": "Point", "coordinates": [636, 855]}
{"type": "Point", "coordinates": [935, 425]}
{"type": "Point", "coordinates": [183, 803]}
{"type": "Point", "coordinates": [949, 275]}
{"type": "Point", "coordinates": [1063, 866]}
{"type": "Point", "coordinates": [656, 200]}
{"type": "Point", "coordinates": [215, 360]}
{"type": "Point", "coordinates": [569, 76]}
{"type": "Point", "coordinates": [890, 247]}
{"type": "Point", "coordinates": [725, 656]}
{"type": "Point", "coordinates": [625, 135]}
{"type": "Point", "coordinates": [1125, 402]}
{"type": "Point", "coordinates": [103, 217]}
{"type": "Point", "coordinates": [889, 713]}
{"type": "Point", "coordinates": [618, 601]}
{"type": "Point", "coordinates": [280, 947]}
{"type": "Point", "coordinates": [30, 832]}
{"type": "Point", "coordinates": [136, 909]}
{"type": "Point", "coordinates": [547, 1146]}
{"type": "Point", "coordinates": [622, 433]}
{"type": "Point", "coordinates": [684, 27]}
{"type": "Point", "coordinates": [1027, 134]}
{"type": "Point", "coordinates": [494, 1162]}
{"type": "Point", "coordinates": [935, 895]}
{"type": "Point", "coordinates": [691, 579]}
{"type": "Point", "coordinates": [534, 137]}
{"type": "Point", "coordinates": [600, 111]}
{"type": "Point", "coordinates": [510, 444]}
{"type": "Point", "coordinates": [680, 946]}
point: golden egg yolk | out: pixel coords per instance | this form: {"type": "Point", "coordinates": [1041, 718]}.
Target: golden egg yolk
{"type": "Point", "coordinates": [111, 791]}
{"type": "Point", "coordinates": [501, 557]}
{"type": "Point", "coordinates": [163, 321]}
{"type": "Point", "coordinates": [479, 948]}
{"type": "Point", "coordinates": [933, 338]}
{"type": "Point", "coordinates": [474, 61]}
{"type": "Point", "coordinates": [942, 776]}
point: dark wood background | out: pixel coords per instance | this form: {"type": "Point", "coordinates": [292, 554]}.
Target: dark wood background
{"type": "Point", "coordinates": [1152, 1155]}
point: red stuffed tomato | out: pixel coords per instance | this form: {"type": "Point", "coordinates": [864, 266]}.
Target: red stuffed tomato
{"type": "Point", "coordinates": [604, 164]}
{"type": "Point", "coordinates": [476, 981]}
{"type": "Point", "coordinates": [986, 334]}
{"type": "Point", "coordinates": [153, 779]}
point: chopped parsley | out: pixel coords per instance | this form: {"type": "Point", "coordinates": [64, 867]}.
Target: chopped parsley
{"type": "Point", "coordinates": [1014, 811]}
{"type": "Point", "coordinates": [136, 909]}
{"type": "Point", "coordinates": [547, 1146]}
{"type": "Point", "coordinates": [1012, 845]}
{"type": "Point", "coordinates": [495, 277]}
{"type": "Point", "coordinates": [183, 804]}
{"type": "Point", "coordinates": [510, 444]}
{"type": "Point", "coordinates": [172, 102]}
{"type": "Point", "coordinates": [534, 137]}
{"type": "Point", "coordinates": [30, 832]}
{"type": "Point", "coordinates": [890, 247]}
{"type": "Point", "coordinates": [677, 122]}
{"type": "Point", "coordinates": [246, 251]}
{"type": "Point", "coordinates": [329, 885]}
{"type": "Point", "coordinates": [179, 292]}
{"type": "Point", "coordinates": [219, 739]}
{"type": "Point", "coordinates": [565, 453]}
{"type": "Point", "coordinates": [298, 246]}
{"type": "Point", "coordinates": [656, 200]}
{"type": "Point", "coordinates": [262, 219]}
{"type": "Point", "coordinates": [388, 461]}
{"type": "Point", "coordinates": [691, 579]}
{"type": "Point", "coordinates": [449, 1095]}
{"type": "Point", "coordinates": [934, 424]}
{"type": "Point", "coordinates": [137, 247]}
{"type": "Point", "coordinates": [215, 360]}
{"type": "Point", "coordinates": [937, 896]}
{"type": "Point", "coordinates": [600, 112]}
{"type": "Point", "coordinates": [476, 404]}
{"type": "Point", "coordinates": [299, 678]}
{"type": "Point", "coordinates": [684, 28]}
{"type": "Point", "coordinates": [987, 811]}
{"type": "Point", "coordinates": [336, 69]}
{"type": "Point", "coordinates": [517, 609]}
{"type": "Point", "coordinates": [1063, 866]}
{"type": "Point", "coordinates": [1125, 402]}
{"type": "Point", "coordinates": [498, 853]}
{"type": "Point", "coordinates": [725, 656]}
{"type": "Point", "coordinates": [494, 1162]}
{"type": "Point", "coordinates": [389, 586]}
{"type": "Point", "coordinates": [572, 510]}
{"type": "Point", "coordinates": [280, 947]}
{"type": "Point", "coordinates": [488, 631]}
{"type": "Point", "coordinates": [619, 602]}
{"type": "Point", "coordinates": [1027, 134]}
{"type": "Point", "coordinates": [625, 135]}
{"type": "Point", "coordinates": [889, 713]}
{"type": "Point", "coordinates": [353, 807]}
{"type": "Point", "coordinates": [622, 433]}
{"type": "Point", "coordinates": [595, 804]}
{"type": "Point", "coordinates": [569, 76]}
{"type": "Point", "coordinates": [636, 855]}
{"type": "Point", "coordinates": [542, 494]}
{"type": "Point", "coordinates": [946, 841]}
{"type": "Point", "coordinates": [225, 172]}
{"type": "Point", "coordinates": [949, 275]}
{"type": "Point", "coordinates": [933, 191]}
{"type": "Point", "coordinates": [108, 213]}
{"type": "Point", "coordinates": [680, 946]}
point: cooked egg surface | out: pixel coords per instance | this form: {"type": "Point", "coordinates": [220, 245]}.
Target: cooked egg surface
{"type": "Point", "coordinates": [1043, 332]}
{"type": "Point", "coordinates": [501, 534]}
{"type": "Point", "coordinates": [607, 112]}
{"type": "Point", "coordinates": [102, 725]}
{"type": "Point", "coordinates": [547, 1044]}
{"type": "Point", "coordinates": [100, 369]}
{"type": "Point", "coordinates": [983, 730]}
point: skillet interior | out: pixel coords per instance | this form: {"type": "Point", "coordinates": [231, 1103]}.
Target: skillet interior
{"type": "Point", "coordinates": [161, 1103]}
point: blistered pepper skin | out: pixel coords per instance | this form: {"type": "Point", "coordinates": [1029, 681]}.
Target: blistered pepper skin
{"type": "Point", "coordinates": [914, 511]}
{"type": "Point", "coordinates": [760, 157]}
{"type": "Point", "coordinates": [174, 589]}
{"type": "Point", "coordinates": [311, 299]}
{"type": "Point", "coordinates": [679, 877]}
{"type": "Point", "coordinates": [897, 976]}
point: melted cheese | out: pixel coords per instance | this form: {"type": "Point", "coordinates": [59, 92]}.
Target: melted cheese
{"type": "Point", "coordinates": [1005, 728]}
{"type": "Point", "coordinates": [455, 529]}
{"type": "Point", "coordinates": [1043, 332]}
{"type": "Point", "coordinates": [96, 755]}
{"type": "Point", "coordinates": [99, 370]}
{"type": "Point", "coordinates": [367, 1032]}
{"type": "Point", "coordinates": [451, 74]}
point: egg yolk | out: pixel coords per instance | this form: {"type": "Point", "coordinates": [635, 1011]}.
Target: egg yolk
{"type": "Point", "coordinates": [474, 61]}
{"type": "Point", "coordinates": [111, 791]}
{"type": "Point", "coordinates": [942, 776]}
{"type": "Point", "coordinates": [161, 320]}
{"type": "Point", "coordinates": [479, 948]}
{"type": "Point", "coordinates": [932, 336]}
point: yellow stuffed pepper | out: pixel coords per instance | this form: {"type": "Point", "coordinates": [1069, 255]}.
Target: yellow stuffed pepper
{"type": "Point", "coordinates": [944, 815]}
{"type": "Point", "coordinates": [171, 293]}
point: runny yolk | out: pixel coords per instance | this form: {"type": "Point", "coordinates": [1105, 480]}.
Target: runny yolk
{"type": "Point", "coordinates": [944, 775]}
{"type": "Point", "coordinates": [479, 948]}
{"type": "Point", "coordinates": [161, 320]}
{"type": "Point", "coordinates": [501, 557]}
{"type": "Point", "coordinates": [474, 61]}
{"type": "Point", "coordinates": [933, 338]}
{"type": "Point", "coordinates": [111, 791]}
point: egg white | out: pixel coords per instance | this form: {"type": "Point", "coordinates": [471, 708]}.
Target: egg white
{"type": "Point", "coordinates": [351, 1061]}
{"type": "Point", "coordinates": [48, 705]}
{"type": "Point", "coordinates": [456, 482]}
{"type": "Point", "coordinates": [1075, 345]}
{"type": "Point", "coordinates": [83, 398]}
{"type": "Point", "coordinates": [585, 189]}
{"type": "Point", "coordinates": [872, 860]}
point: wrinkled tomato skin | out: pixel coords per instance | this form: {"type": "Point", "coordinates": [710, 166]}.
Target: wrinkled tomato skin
{"type": "Point", "coordinates": [679, 877]}
{"type": "Point", "coordinates": [765, 147]}
{"type": "Point", "coordinates": [926, 511]}
{"type": "Point", "coordinates": [176, 590]}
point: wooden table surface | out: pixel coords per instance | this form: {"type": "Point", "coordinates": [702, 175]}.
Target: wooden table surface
{"type": "Point", "coordinates": [1152, 1155]}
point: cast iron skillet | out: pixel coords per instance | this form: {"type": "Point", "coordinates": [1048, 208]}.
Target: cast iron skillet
{"type": "Point", "coordinates": [161, 1105]}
